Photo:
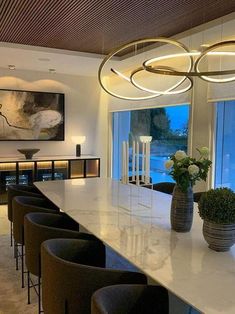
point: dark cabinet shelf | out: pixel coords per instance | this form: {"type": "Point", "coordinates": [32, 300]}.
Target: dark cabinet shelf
{"type": "Point", "coordinates": [44, 169]}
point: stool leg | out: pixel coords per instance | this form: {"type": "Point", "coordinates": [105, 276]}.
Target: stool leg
{"type": "Point", "coordinates": [16, 255]}
{"type": "Point", "coordinates": [39, 295]}
{"type": "Point", "coordinates": [28, 286]}
{"type": "Point", "coordinates": [11, 232]}
{"type": "Point", "coordinates": [39, 285]}
{"type": "Point", "coordinates": [22, 266]}
{"type": "Point", "coordinates": [66, 307]}
{"type": "Point", "coordinates": [14, 245]}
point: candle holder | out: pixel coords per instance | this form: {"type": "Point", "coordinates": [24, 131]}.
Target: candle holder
{"type": "Point", "coordinates": [140, 178]}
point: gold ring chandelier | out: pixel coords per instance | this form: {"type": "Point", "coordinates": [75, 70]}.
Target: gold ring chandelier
{"type": "Point", "coordinates": [193, 69]}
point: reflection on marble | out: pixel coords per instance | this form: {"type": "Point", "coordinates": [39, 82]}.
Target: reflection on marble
{"type": "Point", "coordinates": [136, 224]}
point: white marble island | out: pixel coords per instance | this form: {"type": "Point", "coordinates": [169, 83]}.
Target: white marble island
{"type": "Point", "coordinates": [135, 222]}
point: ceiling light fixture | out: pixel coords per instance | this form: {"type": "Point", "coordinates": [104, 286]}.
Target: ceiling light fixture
{"type": "Point", "coordinates": [169, 91]}
{"type": "Point", "coordinates": [193, 69]}
{"type": "Point", "coordinates": [52, 71]}
{"type": "Point", "coordinates": [11, 67]}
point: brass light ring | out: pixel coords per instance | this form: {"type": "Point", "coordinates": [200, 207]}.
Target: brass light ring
{"type": "Point", "coordinates": [204, 75]}
{"type": "Point", "coordinates": [111, 55]}
{"type": "Point", "coordinates": [169, 91]}
{"type": "Point", "coordinates": [196, 72]}
{"type": "Point", "coordinates": [157, 70]}
{"type": "Point", "coordinates": [128, 45]}
{"type": "Point", "coordinates": [170, 71]}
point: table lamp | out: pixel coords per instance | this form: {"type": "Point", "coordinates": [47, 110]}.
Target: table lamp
{"type": "Point", "coordinates": [78, 140]}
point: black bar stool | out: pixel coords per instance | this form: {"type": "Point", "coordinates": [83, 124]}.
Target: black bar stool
{"type": "Point", "coordinates": [21, 206]}
{"type": "Point", "coordinates": [18, 190]}
{"type": "Point", "coordinates": [72, 270]}
{"type": "Point", "coordinates": [197, 196]}
{"type": "Point", "coordinates": [165, 187]}
{"type": "Point", "coordinates": [39, 227]}
{"type": "Point", "coordinates": [131, 299]}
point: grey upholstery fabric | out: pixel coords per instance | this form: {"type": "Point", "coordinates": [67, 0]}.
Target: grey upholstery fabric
{"type": "Point", "coordinates": [23, 205]}
{"type": "Point", "coordinates": [130, 299]}
{"type": "Point", "coordinates": [39, 227]}
{"type": "Point", "coordinates": [20, 190]}
{"type": "Point", "coordinates": [197, 196]}
{"type": "Point", "coordinates": [134, 182]}
{"type": "Point", "coordinates": [72, 271]}
{"type": "Point", "coordinates": [165, 187]}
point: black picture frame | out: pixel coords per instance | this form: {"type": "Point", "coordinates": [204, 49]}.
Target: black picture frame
{"type": "Point", "coordinates": [31, 115]}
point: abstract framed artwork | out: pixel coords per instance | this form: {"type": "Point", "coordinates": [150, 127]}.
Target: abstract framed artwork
{"type": "Point", "coordinates": [30, 116]}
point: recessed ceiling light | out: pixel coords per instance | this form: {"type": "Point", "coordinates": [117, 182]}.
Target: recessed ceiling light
{"type": "Point", "coordinates": [11, 67]}
{"type": "Point", "coordinates": [44, 59]}
{"type": "Point", "coordinates": [52, 70]}
{"type": "Point", "coordinates": [205, 45]}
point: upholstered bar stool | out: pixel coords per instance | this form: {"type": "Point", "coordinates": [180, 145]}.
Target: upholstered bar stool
{"type": "Point", "coordinates": [197, 196]}
{"type": "Point", "coordinates": [140, 177]}
{"type": "Point", "coordinates": [39, 227]}
{"type": "Point", "coordinates": [18, 190]}
{"type": "Point", "coordinates": [130, 299]}
{"type": "Point", "coordinates": [165, 187]}
{"type": "Point", "coordinates": [21, 206]}
{"type": "Point", "coordinates": [72, 270]}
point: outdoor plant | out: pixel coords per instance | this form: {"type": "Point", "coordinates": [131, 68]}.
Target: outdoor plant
{"type": "Point", "coordinates": [218, 206]}
{"type": "Point", "coordinates": [186, 170]}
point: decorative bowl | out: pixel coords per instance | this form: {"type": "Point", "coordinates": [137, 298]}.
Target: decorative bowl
{"type": "Point", "coordinates": [28, 152]}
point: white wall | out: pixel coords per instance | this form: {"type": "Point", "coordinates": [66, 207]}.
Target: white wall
{"type": "Point", "coordinates": [85, 113]}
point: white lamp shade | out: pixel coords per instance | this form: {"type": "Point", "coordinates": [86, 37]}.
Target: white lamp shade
{"type": "Point", "coordinates": [78, 139]}
{"type": "Point", "coordinates": [145, 139]}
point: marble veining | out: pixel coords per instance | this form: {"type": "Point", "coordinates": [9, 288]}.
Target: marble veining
{"type": "Point", "coordinates": [135, 222]}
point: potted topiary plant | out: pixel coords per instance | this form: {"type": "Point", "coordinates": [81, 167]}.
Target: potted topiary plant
{"type": "Point", "coordinates": [217, 209]}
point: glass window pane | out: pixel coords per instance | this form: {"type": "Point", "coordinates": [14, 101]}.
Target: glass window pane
{"type": "Point", "coordinates": [168, 127]}
{"type": "Point", "coordinates": [225, 150]}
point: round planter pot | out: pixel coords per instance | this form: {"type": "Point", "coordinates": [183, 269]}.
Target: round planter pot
{"type": "Point", "coordinates": [220, 237]}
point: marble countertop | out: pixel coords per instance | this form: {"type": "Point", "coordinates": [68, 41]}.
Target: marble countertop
{"type": "Point", "coordinates": [135, 222]}
{"type": "Point", "coordinates": [43, 158]}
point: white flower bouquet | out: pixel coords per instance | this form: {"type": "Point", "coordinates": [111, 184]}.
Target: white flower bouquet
{"type": "Point", "coordinates": [186, 170]}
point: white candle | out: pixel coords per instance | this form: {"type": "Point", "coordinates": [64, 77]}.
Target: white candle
{"type": "Point", "coordinates": [127, 162]}
{"type": "Point", "coordinates": [123, 162]}
{"type": "Point", "coordinates": [133, 161]}
{"type": "Point", "coordinates": [147, 161]}
{"type": "Point", "coordinates": [137, 163]}
{"type": "Point", "coordinates": [143, 161]}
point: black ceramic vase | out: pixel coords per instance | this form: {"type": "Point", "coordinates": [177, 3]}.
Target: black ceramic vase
{"type": "Point", "coordinates": [182, 209]}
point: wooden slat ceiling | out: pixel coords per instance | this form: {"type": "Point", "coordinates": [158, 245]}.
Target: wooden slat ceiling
{"type": "Point", "coordinates": [97, 26]}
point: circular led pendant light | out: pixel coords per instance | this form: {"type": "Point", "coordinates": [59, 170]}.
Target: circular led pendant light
{"type": "Point", "coordinates": [193, 70]}
{"type": "Point", "coordinates": [209, 51]}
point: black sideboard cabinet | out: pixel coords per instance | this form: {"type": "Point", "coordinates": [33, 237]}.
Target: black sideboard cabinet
{"type": "Point", "coordinates": [17, 171]}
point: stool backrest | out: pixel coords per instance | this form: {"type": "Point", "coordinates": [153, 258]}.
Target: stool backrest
{"type": "Point", "coordinates": [165, 187]}
{"type": "Point", "coordinates": [131, 299]}
{"type": "Point", "coordinates": [72, 271]}
{"type": "Point", "coordinates": [39, 227]}
{"type": "Point", "coordinates": [23, 205]}
{"type": "Point", "coordinates": [19, 190]}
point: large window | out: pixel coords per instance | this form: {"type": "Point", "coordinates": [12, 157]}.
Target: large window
{"type": "Point", "coordinates": [225, 147]}
{"type": "Point", "coordinates": [168, 127]}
